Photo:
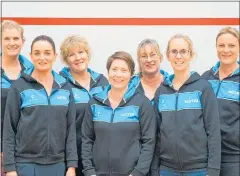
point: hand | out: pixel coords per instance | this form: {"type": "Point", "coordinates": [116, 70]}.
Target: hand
{"type": "Point", "coordinates": [11, 173]}
{"type": "Point", "coordinates": [71, 171]}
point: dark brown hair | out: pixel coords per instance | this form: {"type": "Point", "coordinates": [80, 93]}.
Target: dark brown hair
{"type": "Point", "coordinates": [122, 56]}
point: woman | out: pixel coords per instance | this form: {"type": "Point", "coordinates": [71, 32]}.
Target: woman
{"type": "Point", "coordinates": [75, 52]}
{"type": "Point", "coordinates": [224, 78]}
{"type": "Point", "coordinates": [13, 64]}
{"type": "Point", "coordinates": [149, 78]}
{"type": "Point", "coordinates": [119, 126]}
{"type": "Point", "coordinates": [39, 122]}
{"type": "Point", "coordinates": [189, 134]}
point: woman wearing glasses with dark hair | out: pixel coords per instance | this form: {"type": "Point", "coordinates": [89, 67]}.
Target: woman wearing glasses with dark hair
{"type": "Point", "coordinates": [189, 128]}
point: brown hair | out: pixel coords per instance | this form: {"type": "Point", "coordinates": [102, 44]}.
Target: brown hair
{"type": "Point", "coordinates": [122, 56]}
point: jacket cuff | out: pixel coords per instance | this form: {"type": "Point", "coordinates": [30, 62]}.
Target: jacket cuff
{"type": "Point", "coordinates": [72, 164]}
{"type": "Point", "coordinates": [89, 172]}
{"type": "Point", "coordinates": [154, 172]}
{"type": "Point", "coordinates": [213, 172]}
{"type": "Point", "coordinates": [9, 167]}
{"type": "Point", "coordinates": [136, 172]}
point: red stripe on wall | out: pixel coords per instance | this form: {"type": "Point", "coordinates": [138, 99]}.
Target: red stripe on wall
{"type": "Point", "coordinates": [124, 21]}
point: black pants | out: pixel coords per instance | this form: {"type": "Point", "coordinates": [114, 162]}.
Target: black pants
{"type": "Point", "coordinates": [32, 169]}
{"type": "Point", "coordinates": [230, 169]}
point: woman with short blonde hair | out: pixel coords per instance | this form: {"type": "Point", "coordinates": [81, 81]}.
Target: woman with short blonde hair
{"type": "Point", "coordinates": [75, 52]}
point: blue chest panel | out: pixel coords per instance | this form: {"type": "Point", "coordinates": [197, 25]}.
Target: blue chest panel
{"type": "Point", "coordinates": [181, 101]}
{"type": "Point", "coordinates": [96, 90]}
{"type": "Point", "coordinates": [121, 114]}
{"type": "Point", "coordinates": [126, 114]}
{"type": "Point", "coordinates": [228, 90]}
{"type": "Point", "coordinates": [189, 100]}
{"type": "Point", "coordinates": [167, 102]}
{"type": "Point", "coordinates": [60, 97]}
{"type": "Point", "coordinates": [82, 95]}
{"type": "Point", "coordinates": [32, 97]}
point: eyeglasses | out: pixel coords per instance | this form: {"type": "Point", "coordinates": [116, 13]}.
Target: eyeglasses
{"type": "Point", "coordinates": [153, 56]}
{"type": "Point", "coordinates": [182, 52]}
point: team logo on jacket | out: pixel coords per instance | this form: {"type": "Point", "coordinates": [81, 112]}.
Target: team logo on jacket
{"type": "Point", "coordinates": [191, 101]}
{"type": "Point", "coordinates": [127, 114]}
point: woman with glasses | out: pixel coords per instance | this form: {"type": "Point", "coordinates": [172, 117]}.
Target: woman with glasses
{"type": "Point", "coordinates": [189, 127]}
{"type": "Point", "coordinates": [150, 76]}
{"type": "Point", "coordinates": [225, 78]}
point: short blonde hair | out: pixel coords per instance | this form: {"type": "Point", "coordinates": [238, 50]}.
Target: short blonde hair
{"type": "Point", "coordinates": [73, 41]}
{"type": "Point", "coordinates": [122, 55]}
{"type": "Point", "coordinates": [185, 38]}
{"type": "Point", "coordinates": [228, 30]}
{"type": "Point", "coordinates": [10, 24]}
{"type": "Point", "coordinates": [153, 44]}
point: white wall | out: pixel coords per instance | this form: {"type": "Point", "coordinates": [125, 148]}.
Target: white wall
{"type": "Point", "coordinates": [105, 39]}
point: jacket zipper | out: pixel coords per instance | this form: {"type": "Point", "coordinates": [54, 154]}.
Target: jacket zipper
{"type": "Point", "coordinates": [109, 149]}
{"type": "Point", "coordinates": [176, 108]}
{"type": "Point", "coordinates": [220, 82]}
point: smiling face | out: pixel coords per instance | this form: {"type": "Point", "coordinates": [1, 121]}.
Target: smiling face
{"type": "Point", "coordinates": [149, 60]}
{"type": "Point", "coordinates": [43, 56]}
{"type": "Point", "coordinates": [119, 74]}
{"type": "Point", "coordinates": [179, 54]}
{"type": "Point", "coordinates": [77, 59]}
{"type": "Point", "coordinates": [12, 42]}
{"type": "Point", "coordinates": [227, 49]}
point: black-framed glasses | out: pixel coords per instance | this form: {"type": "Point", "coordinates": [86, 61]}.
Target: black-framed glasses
{"type": "Point", "coordinates": [182, 52]}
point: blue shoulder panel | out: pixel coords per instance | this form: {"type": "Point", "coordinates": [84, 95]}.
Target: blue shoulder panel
{"type": "Point", "coordinates": [80, 95]}
{"type": "Point", "coordinates": [32, 97]}
{"type": "Point", "coordinates": [126, 114]}
{"type": "Point", "coordinates": [5, 83]}
{"type": "Point", "coordinates": [60, 97]}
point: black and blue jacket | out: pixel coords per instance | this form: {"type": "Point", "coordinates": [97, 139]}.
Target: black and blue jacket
{"type": "Point", "coordinates": [227, 93]}
{"type": "Point", "coordinates": [118, 141]}
{"type": "Point", "coordinates": [39, 128]}
{"type": "Point", "coordinates": [189, 127]}
{"type": "Point", "coordinates": [136, 82]}
{"type": "Point", "coordinates": [82, 96]}
{"type": "Point", "coordinates": [6, 83]}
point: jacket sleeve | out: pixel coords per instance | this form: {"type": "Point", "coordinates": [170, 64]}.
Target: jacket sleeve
{"type": "Point", "coordinates": [212, 127]}
{"type": "Point", "coordinates": [11, 119]}
{"type": "Point", "coordinates": [148, 138]}
{"type": "Point", "coordinates": [154, 169]}
{"type": "Point", "coordinates": [71, 146]}
{"type": "Point", "coordinates": [88, 137]}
